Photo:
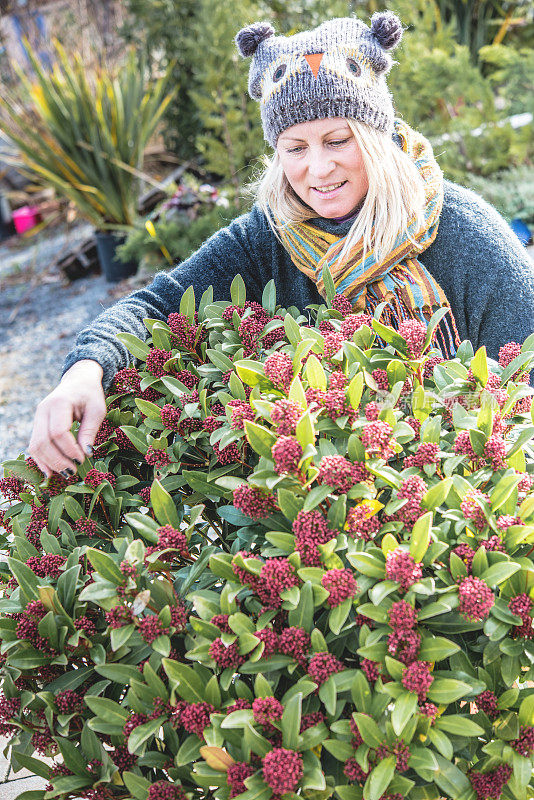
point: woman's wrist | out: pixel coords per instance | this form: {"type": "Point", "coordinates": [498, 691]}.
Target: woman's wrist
{"type": "Point", "coordinates": [88, 366]}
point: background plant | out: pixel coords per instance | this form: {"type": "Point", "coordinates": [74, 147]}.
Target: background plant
{"type": "Point", "coordinates": [299, 562]}
{"type": "Point", "coordinates": [87, 138]}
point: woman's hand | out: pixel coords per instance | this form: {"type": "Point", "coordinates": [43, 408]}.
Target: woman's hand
{"type": "Point", "coordinates": [79, 396]}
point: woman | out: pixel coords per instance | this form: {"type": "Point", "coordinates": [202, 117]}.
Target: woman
{"type": "Point", "coordinates": [348, 186]}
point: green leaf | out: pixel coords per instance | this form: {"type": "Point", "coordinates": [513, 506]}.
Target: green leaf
{"type": "Point", "coordinates": [405, 708]}
{"type": "Point", "coordinates": [437, 494]}
{"type": "Point", "coordinates": [268, 298]}
{"type": "Point", "coordinates": [238, 291]}
{"type": "Point", "coordinates": [34, 765]}
{"type": "Point", "coordinates": [105, 566]}
{"type": "Point", "coordinates": [140, 735]}
{"type": "Point", "coordinates": [137, 439]}
{"type": "Point", "coordinates": [136, 785]}
{"type": "Point", "coordinates": [25, 577]}
{"type": "Point", "coordinates": [524, 437]}
{"type": "Point", "coordinates": [447, 690]}
{"type": "Point", "coordinates": [302, 615]}
{"type": "Point", "coordinates": [136, 346]}
{"type": "Point", "coordinates": [220, 360]}
{"type": "Point", "coordinates": [189, 751]}
{"type": "Point", "coordinates": [189, 685]}
{"type": "Point", "coordinates": [329, 286]}
{"type": "Point", "coordinates": [107, 709]}
{"type": "Point", "coordinates": [118, 673]}
{"type": "Point", "coordinates": [451, 780]}
{"type": "Point", "coordinates": [187, 304]}
{"type": "Point", "coordinates": [500, 572]}
{"type": "Point", "coordinates": [369, 730]}
{"type": "Point", "coordinates": [420, 536]}
{"type": "Point", "coordinates": [526, 710]}
{"type": "Point", "coordinates": [315, 374]}
{"type": "Point", "coordinates": [290, 722]}
{"type": "Point", "coordinates": [305, 432]}
{"type": "Point", "coordinates": [150, 410]}
{"type": "Point", "coordinates": [338, 616]}
{"type": "Point", "coordinates": [479, 366]}
{"type": "Point", "coordinates": [437, 648]}
{"type": "Point", "coordinates": [163, 505]}
{"type": "Point", "coordinates": [260, 439]}
{"type": "Point", "coordinates": [290, 503]}
{"type": "Point", "coordinates": [379, 779]}
{"type": "Point", "coordinates": [458, 725]}
{"type": "Point", "coordinates": [355, 390]}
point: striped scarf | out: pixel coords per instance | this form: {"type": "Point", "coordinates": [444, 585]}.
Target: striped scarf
{"type": "Point", "coordinates": [399, 278]}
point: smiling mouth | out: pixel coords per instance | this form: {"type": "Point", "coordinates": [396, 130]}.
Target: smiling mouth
{"type": "Point", "coordinates": [329, 189]}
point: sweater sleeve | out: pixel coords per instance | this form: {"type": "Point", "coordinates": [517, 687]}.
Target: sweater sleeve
{"type": "Point", "coordinates": [229, 251]}
{"type": "Point", "coordinates": [484, 270]}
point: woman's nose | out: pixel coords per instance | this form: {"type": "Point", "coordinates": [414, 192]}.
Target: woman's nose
{"type": "Point", "coordinates": [320, 162]}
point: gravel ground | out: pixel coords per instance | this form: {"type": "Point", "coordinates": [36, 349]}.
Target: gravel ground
{"type": "Point", "coordinates": [40, 315]}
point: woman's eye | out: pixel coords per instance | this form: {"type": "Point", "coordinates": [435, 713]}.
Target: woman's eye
{"type": "Point", "coordinates": [340, 141]}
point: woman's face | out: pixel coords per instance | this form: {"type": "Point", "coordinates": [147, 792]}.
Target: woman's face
{"type": "Point", "coordinates": [320, 154]}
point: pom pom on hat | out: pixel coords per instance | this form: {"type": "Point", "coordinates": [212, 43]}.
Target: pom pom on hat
{"type": "Point", "coordinates": [248, 39]}
{"type": "Point", "coordinates": [386, 28]}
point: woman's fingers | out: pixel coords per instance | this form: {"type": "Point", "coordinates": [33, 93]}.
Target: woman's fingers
{"type": "Point", "coordinates": [79, 396]}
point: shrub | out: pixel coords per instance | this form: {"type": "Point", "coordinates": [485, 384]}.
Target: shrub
{"type": "Point", "coordinates": [300, 562]}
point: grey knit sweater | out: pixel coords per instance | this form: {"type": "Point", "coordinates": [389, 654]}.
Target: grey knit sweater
{"type": "Point", "coordinates": [477, 260]}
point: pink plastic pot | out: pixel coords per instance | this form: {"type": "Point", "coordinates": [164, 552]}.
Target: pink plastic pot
{"type": "Point", "coordinates": [26, 218]}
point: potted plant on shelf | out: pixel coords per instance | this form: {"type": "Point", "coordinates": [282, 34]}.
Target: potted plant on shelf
{"type": "Point", "coordinates": [86, 136]}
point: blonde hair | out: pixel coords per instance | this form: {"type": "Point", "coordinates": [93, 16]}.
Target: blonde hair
{"type": "Point", "coordinates": [394, 199]}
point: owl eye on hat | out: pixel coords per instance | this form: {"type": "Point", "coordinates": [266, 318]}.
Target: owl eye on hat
{"type": "Point", "coordinates": [336, 70]}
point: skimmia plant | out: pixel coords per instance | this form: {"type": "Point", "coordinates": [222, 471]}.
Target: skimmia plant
{"type": "Point", "coordinates": [299, 564]}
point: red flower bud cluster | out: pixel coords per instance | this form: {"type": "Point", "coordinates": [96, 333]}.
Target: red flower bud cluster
{"type": "Point", "coordinates": [285, 414]}
{"type": "Point", "coordinates": [489, 785]}
{"type": "Point", "coordinates": [69, 702]}
{"type": "Point", "coordinates": [522, 605]}
{"type": "Point", "coordinates": [170, 416]}
{"type": "Point", "coordinates": [417, 678]}
{"type": "Point", "coordinates": [194, 717]}
{"type": "Point", "coordinates": [11, 487]}
{"type": "Point", "coordinates": [162, 790]}
{"type": "Point", "coordinates": [184, 332]}
{"type": "Point", "coordinates": [426, 453]}
{"type": "Point", "coordinates": [282, 770]}
{"type": "Point", "coordinates": [354, 772]}
{"type": "Point", "coordinates": [267, 710]}
{"type": "Point", "coordinates": [341, 584]}
{"type": "Point", "coordinates": [253, 502]}
{"type": "Point", "coordinates": [524, 744]}
{"type": "Point", "coordinates": [381, 378]}
{"type": "Point", "coordinates": [169, 537]}
{"type": "Point", "coordinates": [333, 342]}
{"type": "Point", "coordinates": [353, 323]}
{"type": "Point", "coordinates": [311, 720]}
{"type": "Point", "coordinates": [236, 775]}
{"type": "Point", "coordinates": [277, 575]}
{"type": "Point", "coordinates": [487, 702]}
{"type": "Point", "coordinates": [279, 369]}
{"type": "Point", "coordinates": [226, 656]}
{"type": "Point", "coordinates": [295, 642]}
{"type": "Point", "coordinates": [28, 626]}
{"type": "Point", "coordinates": [400, 750]}
{"type": "Point", "coordinates": [47, 566]}
{"type": "Point", "coordinates": [227, 455]}
{"type": "Point", "coordinates": [86, 625]}
{"type": "Point", "coordinates": [151, 628]}
{"type": "Point", "coordinates": [221, 621]}
{"type": "Point", "coordinates": [476, 598]}
{"type": "Point", "coordinates": [471, 509]}
{"type": "Point", "coordinates": [286, 452]}
{"type": "Point", "coordinates": [404, 644]}
{"type": "Point", "coordinates": [119, 616]}
{"type": "Point", "coordinates": [94, 478]}
{"type": "Point", "coordinates": [342, 304]}
{"type": "Point", "coordinates": [429, 710]}
{"type": "Point", "coordinates": [372, 411]}
{"type": "Point", "coordinates": [376, 438]}
{"type": "Point", "coordinates": [370, 669]}
{"type": "Point", "coordinates": [508, 352]}
{"type": "Point", "coordinates": [412, 490]}
{"type": "Point", "coordinates": [270, 641]}
{"type": "Point", "coordinates": [87, 527]}
{"type": "Point", "coordinates": [362, 522]}
{"type": "Point", "coordinates": [157, 457]}
{"type": "Point", "coordinates": [240, 411]}
{"type": "Point", "coordinates": [127, 380]}
{"type": "Point", "coordinates": [134, 721]}
{"type": "Point", "coordinates": [337, 380]}
{"type": "Point", "coordinates": [9, 708]}
{"type": "Point", "coordinates": [401, 567]}
{"type": "Point", "coordinates": [155, 361]}
{"type": "Point", "coordinates": [402, 616]}
{"type": "Point", "coordinates": [322, 665]}
{"type": "Point", "coordinates": [414, 333]}
{"type": "Point", "coordinates": [337, 472]}
{"type": "Point", "coordinates": [311, 529]}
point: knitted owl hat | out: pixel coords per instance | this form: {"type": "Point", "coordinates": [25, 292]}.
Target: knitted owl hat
{"type": "Point", "coordinates": [335, 70]}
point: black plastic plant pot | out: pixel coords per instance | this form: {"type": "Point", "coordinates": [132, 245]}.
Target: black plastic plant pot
{"type": "Point", "coordinates": [113, 268]}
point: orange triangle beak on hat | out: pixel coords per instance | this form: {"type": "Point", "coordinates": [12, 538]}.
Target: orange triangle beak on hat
{"type": "Point", "coordinates": [314, 60]}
